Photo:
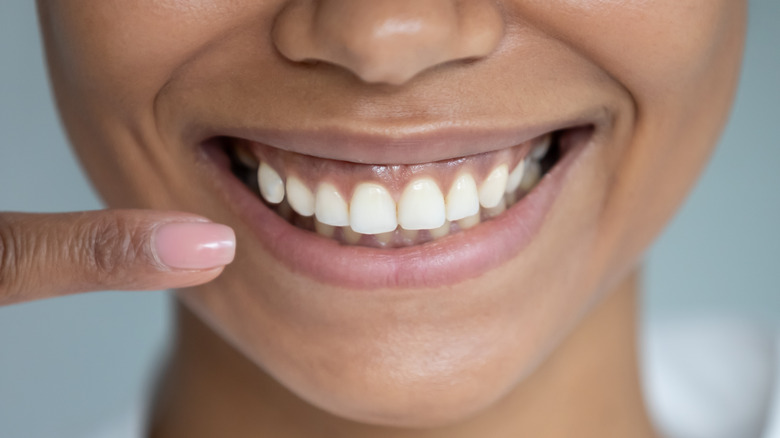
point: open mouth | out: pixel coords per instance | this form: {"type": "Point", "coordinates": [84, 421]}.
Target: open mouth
{"type": "Point", "coordinates": [369, 226]}
{"type": "Point", "coordinates": [393, 206]}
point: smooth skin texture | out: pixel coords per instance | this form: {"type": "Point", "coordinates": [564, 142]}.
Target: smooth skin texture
{"type": "Point", "coordinates": [543, 345]}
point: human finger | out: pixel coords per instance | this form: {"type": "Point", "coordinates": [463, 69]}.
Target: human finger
{"type": "Point", "coordinates": [47, 255]}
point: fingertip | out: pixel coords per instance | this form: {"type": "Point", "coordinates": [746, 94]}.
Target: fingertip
{"type": "Point", "coordinates": [175, 280]}
{"type": "Point", "coordinates": [197, 278]}
{"type": "Point", "coordinates": [194, 245]}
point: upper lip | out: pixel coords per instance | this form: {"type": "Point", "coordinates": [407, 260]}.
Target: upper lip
{"type": "Point", "coordinates": [409, 144]}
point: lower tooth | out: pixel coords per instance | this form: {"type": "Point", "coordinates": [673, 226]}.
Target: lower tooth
{"type": "Point", "coordinates": [351, 236]}
{"type": "Point", "coordinates": [384, 238]}
{"type": "Point", "coordinates": [324, 229]}
{"type": "Point", "coordinates": [469, 222]}
{"type": "Point", "coordinates": [410, 236]}
{"type": "Point", "coordinates": [495, 211]}
{"type": "Point", "coordinates": [284, 210]}
{"type": "Point", "coordinates": [440, 232]}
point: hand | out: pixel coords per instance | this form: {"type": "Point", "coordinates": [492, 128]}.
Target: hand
{"type": "Point", "coordinates": [48, 255]}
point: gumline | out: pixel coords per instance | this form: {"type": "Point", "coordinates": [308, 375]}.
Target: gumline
{"type": "Point", "coordinates": [394, 177]}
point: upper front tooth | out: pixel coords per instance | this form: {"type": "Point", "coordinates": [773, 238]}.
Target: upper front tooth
{"type": "Point", "coordinates": [515, 177]}
{"type": "Point", "coordinates": [372, 210]}
{"type": "Point", "coordinates": [541, 149]}
{"type": "Point", "coordinates": [329, 207]}
{"type": "Point", "coordinates": [421, 206]}
{"type": "Point", "coordinates": [494, 186]}
{"type": "Point", "coordinates": [463, 198]}
{"type": "Point", "coordinates": [300, 197]}
{"type": "Point", "coordinates": [271, 184]}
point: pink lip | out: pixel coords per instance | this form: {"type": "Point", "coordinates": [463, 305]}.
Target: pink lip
{"type": "Point", "coordinates": [447, 261]}
{"type": "Point", "coordinates": [403, 145]}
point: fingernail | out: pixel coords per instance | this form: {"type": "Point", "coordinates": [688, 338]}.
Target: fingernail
{"type": "Point", "coordinates": [194, 245]}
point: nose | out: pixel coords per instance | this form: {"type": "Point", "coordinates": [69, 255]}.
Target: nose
{"type": "Point", "coordinates": [387, 41]}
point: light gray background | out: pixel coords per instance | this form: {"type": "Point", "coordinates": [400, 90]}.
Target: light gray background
{"type": "Point", "coordinates": [69, 363]}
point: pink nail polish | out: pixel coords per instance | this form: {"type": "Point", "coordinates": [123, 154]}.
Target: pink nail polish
{"type": "Point", "coordinates": [194, 245]}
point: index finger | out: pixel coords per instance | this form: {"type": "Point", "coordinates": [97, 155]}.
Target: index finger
{"type": "Point", "coordinates": [46, 255]}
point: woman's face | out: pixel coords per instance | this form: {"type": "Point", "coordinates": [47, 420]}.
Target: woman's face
{"type": "Point", "coordinates": [367, 114]}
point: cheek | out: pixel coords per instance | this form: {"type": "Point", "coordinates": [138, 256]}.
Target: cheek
{"type": "Point", "coordinates": [109, 61]}
{"type": "Point", "coordinates": [679, 61]}
{"type": "Point", "coordinates": [655, 48]}
{"type": "Point", "coordinates": [116, 51]}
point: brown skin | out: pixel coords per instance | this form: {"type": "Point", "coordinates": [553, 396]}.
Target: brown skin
{"type": "Point", "coordinates": [543, 345]}
{"type": "Point", "coordinates": [49, 255]}
{"type": "Point", "coordinates": [211, 389]}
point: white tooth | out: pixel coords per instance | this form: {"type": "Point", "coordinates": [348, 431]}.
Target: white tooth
{"type": "Point", "coordinates": [300, 197]}
{"type": "Point", "coordinates": [515, 177]}
{"type": "Point", "coordinates": [372, 210]}
{"type": "Point", "coordinates": [330, 207]}
{"type": "Point", "coordinates": [541, 149]}
{"type": "Point", "coordinates": [469, 222]}
{"type": "Point", "coordinates": [421, 206]}
{"type": "Point", "coordinates": [324, 229]}
{"type": "Point", "coordinates": [494, 186]}
{"type": "Point", "coordinates": [442, 231]}
{"type": "Point", "coordinates": [351, 236]}
{"type": "Point", "coordinates": [271, 185]}
{"type": "Point", "coordinates": [533, 171]}
{"type": "Point", "coordinates": [463, 198]}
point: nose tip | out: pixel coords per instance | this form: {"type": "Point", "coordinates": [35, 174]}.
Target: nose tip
{"type": "Point", "coordinates": [387, 41]}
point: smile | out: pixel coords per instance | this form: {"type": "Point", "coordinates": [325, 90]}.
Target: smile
{"type": "Point", "coordinates": [396, 225]}
{"type": "Point", "coordinates": [391, 206]}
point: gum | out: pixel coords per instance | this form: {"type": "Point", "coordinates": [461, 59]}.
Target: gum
{"type": "Point", "coordinates": [345, 176]}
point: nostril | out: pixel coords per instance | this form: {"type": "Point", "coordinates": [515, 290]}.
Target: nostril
{"type": "Point", "coordinates": [388, 41]}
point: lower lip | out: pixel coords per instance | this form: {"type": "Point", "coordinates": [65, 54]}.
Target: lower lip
{"type": "Point", "coordinates": [443, 262]}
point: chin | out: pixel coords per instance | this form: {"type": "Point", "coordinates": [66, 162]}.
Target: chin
{"type": "Point", "coordinates": [412, 394]}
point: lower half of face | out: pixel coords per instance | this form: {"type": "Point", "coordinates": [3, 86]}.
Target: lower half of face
{"type": "Point", "coordinates": [423, 210]}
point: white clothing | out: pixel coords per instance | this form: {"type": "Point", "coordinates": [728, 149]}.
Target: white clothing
{"type": "Point", "coordinates": [712, 378]}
